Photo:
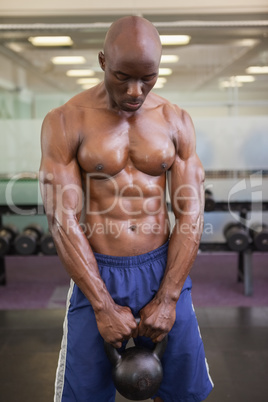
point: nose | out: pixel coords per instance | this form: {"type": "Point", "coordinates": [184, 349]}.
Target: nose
{"type": "Point", "coordinates": [134, 89]}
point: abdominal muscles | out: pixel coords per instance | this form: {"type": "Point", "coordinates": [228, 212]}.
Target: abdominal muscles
{"type": "Point", "coordinates": [127, 219]}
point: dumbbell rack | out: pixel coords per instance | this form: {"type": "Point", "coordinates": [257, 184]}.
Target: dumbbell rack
{"type": "Point", "coordinates": [245, 266]}
{"type": "Point", "coordinates": [244, 269]}
{"type": "Point", "coordinates": [6, 210]}
{"type": "Point", "coordinates": [244, 258]}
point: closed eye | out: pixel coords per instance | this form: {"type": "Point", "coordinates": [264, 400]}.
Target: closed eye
{"type": "Point", "coordinates": [148, 78]}
{"type": "Point", "coordinates": [124, 77]}
{"type": "Point", "coordinates": [121, 76]}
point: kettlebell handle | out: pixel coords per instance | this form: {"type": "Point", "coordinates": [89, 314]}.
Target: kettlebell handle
{"type": "Point", "coordinates": [115, 357]}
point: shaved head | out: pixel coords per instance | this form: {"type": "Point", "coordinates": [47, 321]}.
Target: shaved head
{"type": "Point", "coordinates": [132, 33]}
{"type": "Point", "coordinates": [130, 61]}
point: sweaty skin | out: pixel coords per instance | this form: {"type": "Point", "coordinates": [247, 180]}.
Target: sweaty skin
{"type": "Point", "coordinates": [108, 156]}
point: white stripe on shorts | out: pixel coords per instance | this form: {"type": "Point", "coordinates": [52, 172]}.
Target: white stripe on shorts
{"type": "Point", "coordinates": [59, 382]}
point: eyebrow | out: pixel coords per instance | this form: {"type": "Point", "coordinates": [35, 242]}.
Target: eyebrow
{"type": "Point", "coordinates": [127, 75]}
{"type": "Point", "coordinates": [120, 72]}
{"type": "Point", "coordinates": [150, 75]}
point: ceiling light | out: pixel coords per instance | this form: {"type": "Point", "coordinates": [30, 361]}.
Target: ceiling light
{"type": "Point", "coordinates": [80, 73]}
{"type": "Point", "coordinates": [93, 81]}
{"type": "Point", "coordinates": [257, 70]}
{"type": "Point", "coordinates": [244, 78]}
{"type": "Point", "coordinates": [175, 39]}
{"type": "Point", "coordinates": [245, 42]}
{"type": "Point", "coordinates": [163, 80]}
{"type": "Point", "coordinates": [50, 40]}
{"type": "Point", "coordinates": [15, 47]}
{"type": "Point", "coordinates": [68, 60]}
{"type": "Point", "coordinates": [169, 58]}
{"type": "Point", "coordinates": [165, 71]}
{"type": "Point", "coordinates": [160, 82]}
{"type": "Point", "coordinates": [230, 84]}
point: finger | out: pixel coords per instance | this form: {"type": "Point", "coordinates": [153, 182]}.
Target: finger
{"type": "Point", "coordinates": [116, 345]}
{"type": "Point", "coordinates": [145, 331]}
{"type": "Point", "coordinates": [141, 330]}
{"type": "Point", "coordinates": [158, 338]}
{"type": "Point", "coordinates": [156, 335]}
{"type": "Point", "coordinates": [135, 332]}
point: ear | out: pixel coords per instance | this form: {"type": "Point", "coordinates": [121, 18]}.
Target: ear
{"type": "Point", "coordinates": [102, 60]}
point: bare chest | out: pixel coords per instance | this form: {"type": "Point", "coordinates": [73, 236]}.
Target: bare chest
{"type": "Point", "coordinates": [109, 147]}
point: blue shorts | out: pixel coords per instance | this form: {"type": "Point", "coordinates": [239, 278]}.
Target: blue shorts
{"type": "Point", "coordinates": [84, 371]}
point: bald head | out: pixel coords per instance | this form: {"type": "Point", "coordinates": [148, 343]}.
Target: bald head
{"type": "Point", "coordinates": [131, 58]}
{"type": "Point", "coordinates": [134, 34]}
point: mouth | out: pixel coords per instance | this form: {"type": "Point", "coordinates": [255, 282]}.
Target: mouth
{"type": "Point", "coordinates": [133, 105]}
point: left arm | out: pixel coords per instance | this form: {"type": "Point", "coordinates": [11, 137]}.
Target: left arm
{"type": "Point", "coordinates": [186, 180]}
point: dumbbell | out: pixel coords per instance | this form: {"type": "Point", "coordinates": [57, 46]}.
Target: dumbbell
{"type": "Point", "coordinates": [259, 235]}
{"type": "Point", "coordinates": [209, 201]}
{"type": "Point", "coordinates": [47, 244]}
{"type": "Point", "coordinates": [26, 242]}
{"type": "Point", "coordinates": [236, 236]}
{"type": "Point", "coordinates": [7, 235]}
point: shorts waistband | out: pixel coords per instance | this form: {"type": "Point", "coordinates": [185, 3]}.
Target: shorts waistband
{"type": "Point", "coordinates": [132, 261]}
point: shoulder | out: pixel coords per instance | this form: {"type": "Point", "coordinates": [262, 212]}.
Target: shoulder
{"type": "Point", "coordinates": [180, 122]}
{"type": "Point", "coordinates": [60, 136]}
{"type": "Point", "coordinates": [53, 120]}
{"type": "Point", "coordinates": [76, 106]}
{"type": "Point", "coordinates": [89, 99]}
{"type": "Point", "coordinates": [172, 112]}
{"type": "Point", "coordinates": [181, 128]}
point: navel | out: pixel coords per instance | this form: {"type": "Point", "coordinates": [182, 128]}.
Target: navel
{"type": "Point", "coordinates": [133, 228]}
{"type": "Point", "coordinates": [99, 167]}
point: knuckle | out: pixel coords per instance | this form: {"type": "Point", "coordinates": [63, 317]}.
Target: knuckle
{"type": "Point", "coordinates": [128, 332]}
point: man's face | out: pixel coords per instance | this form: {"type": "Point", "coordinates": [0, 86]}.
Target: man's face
{"type": "Point", "coordinates": [129, 77]}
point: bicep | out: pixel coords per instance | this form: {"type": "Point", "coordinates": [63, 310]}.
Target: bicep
{"type": "Point", "coordinates": [186, 179]}
{"type": "Point", "coordinates": [59, 175]}
{"type": "Point", "coordinates": [186, 176]}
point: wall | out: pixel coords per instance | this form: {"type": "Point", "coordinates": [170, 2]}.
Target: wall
{"type": "Point", "coordinates": [223, 143]}
{"type": "Point", "coordinates": [23, 104]}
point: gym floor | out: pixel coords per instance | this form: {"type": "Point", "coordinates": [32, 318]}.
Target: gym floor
{"type": "Point", "coordinates": [236, 343]}
{"type": "Point", "coordinates": [235, 339]}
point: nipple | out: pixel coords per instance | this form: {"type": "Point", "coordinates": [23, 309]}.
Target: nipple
{"type": "Point", "coordinates": [99, 167]}
{"type": "Point", "coordinates": [164, 165]}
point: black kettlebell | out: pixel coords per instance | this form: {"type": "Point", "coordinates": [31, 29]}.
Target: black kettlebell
{"type": "Point", "coordinates": [137, 371]}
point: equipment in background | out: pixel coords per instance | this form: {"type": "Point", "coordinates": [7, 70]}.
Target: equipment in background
{"type": "Point", "coordinates": [47, 245]}
{"type": "Point", "coordinates": [209, 201]}
{"type": "Point", "coordinates": [26, 243]}
{"type": "Point", "coordinates": [7, 235]}
{"type": "Point", "coordinates": [236, 236]}
{"type": "Point", "coordinates": [259, 235]}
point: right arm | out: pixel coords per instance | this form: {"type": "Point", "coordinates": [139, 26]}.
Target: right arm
{"type": "Point", "coordinates": [62, 194]}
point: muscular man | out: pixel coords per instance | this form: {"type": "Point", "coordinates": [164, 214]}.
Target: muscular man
{"type": "Point", "coordinates": [106, 156]}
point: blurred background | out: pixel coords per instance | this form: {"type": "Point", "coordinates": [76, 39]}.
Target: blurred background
{"type": "Point", "coordinates": [217, 66]}
{"type": "Point", "coordinates": [214, 65]}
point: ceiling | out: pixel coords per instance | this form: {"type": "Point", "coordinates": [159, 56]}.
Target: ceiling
{"type": "Point", "coordinates": [221, 46]}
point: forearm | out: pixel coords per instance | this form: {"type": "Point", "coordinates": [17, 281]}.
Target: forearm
{"type": "Point", "coordinates": [187, 200]}
{"type": "Point", "coordinates": [114, 322]}
{"type": "Point", "coordinates": [182, 251]}
{"type": "Point", "coordinates": [79, 261]}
